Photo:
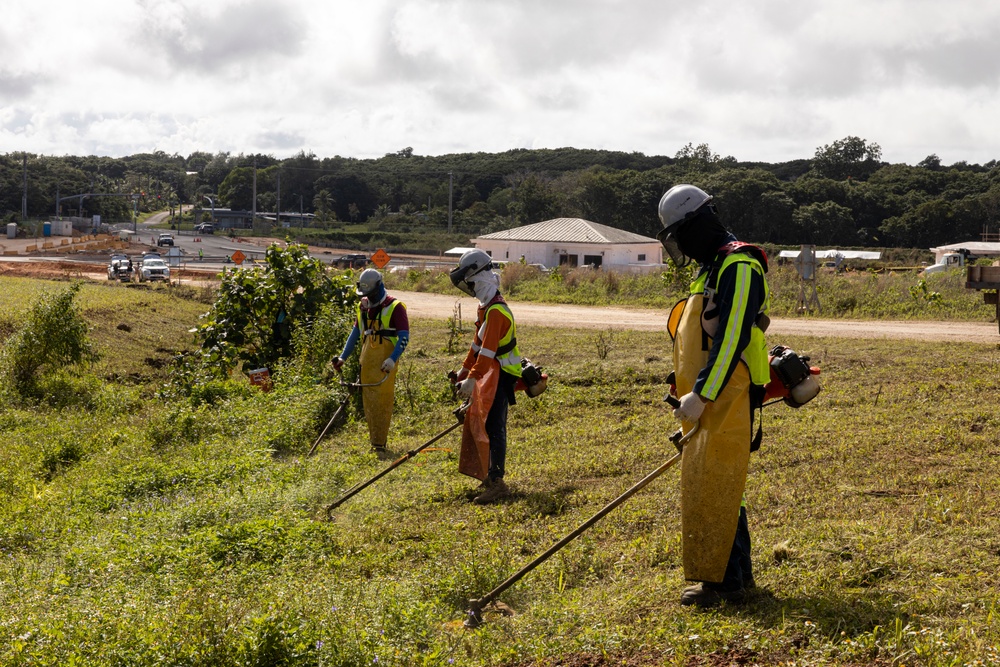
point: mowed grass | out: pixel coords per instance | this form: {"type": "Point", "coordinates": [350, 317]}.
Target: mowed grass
{"type": "Point", "coordinates": [136, 530]}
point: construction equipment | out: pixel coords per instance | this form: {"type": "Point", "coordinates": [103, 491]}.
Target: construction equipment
{"type": "Point", "coordinates": [474, 614]}
{"type": "Point", "coordinates": [459, 413]}
{"type": "Point", "coordinates": [987, 279]}
{"type": "Point", "coordinates": [350, 387]}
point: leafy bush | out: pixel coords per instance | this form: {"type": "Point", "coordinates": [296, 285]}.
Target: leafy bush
{"type": "Point", "coordinates": [53, 334]}
{"type": "Point", "coordinates": [254, 319]}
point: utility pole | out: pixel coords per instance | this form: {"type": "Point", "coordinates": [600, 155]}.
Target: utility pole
{"type": "Point", "coordinates": [302, 223]}
{"type": "Point", "coordinates": [253, 212]}
{"type": "Point", "coordinates": [24, 197]}
{"type": "Point", "coordinates": [451, 181]}
{"type": "Point", "coordinates": [277, 206]}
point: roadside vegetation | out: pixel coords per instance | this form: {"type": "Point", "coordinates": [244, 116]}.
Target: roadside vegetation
{"type": "Point", "coordinates": [154, 514]}
{"type": "Point", "coordinates": [856, 293]}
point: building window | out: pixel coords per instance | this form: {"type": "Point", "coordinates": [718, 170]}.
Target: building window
{"type": "Point", "coordinates": [506, 255]}
{"type": "Point", "coordinates": [567, 260]}
{"type": "Point", "coordinates": [592, 260]}
{"type": "Point", "coordinates": [642, 258]}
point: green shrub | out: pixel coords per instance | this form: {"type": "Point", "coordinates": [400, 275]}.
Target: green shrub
{"type": "Point", "coordinates": [53, 334]}
{"type": "Point", "coordinates": [254, 320]}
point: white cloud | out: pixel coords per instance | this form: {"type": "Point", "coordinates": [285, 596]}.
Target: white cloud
{"type": "Point", "coordinates": [766, 81]}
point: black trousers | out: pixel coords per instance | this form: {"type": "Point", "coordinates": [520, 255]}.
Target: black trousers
{"type": "Point", "coordinates": [739, 569]}
{"type": "Point", "coordinates": [496, 424]}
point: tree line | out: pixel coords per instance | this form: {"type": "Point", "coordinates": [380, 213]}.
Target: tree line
{"type": "Point", "coordinates": [844, 195]}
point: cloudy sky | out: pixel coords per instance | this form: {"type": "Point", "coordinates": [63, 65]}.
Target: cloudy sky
{"type": "Point", "coordinates": [762, 80]}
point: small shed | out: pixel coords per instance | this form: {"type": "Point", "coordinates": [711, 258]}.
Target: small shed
{"type": "Point", "coordinates": [574, 242]}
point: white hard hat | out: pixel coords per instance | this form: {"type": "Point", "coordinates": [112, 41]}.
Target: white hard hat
{"type": "Point", "coordinates": [678, 204]}
{"type": "Point", "coordinates": [472, 262]}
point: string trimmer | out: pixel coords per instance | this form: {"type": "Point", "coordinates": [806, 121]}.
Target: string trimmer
{"type": "Point", "coordinates": [459, 413]}
{"type": "Point", "coordinates": [474, 614]}
{"type": "Point", "coordinates": [351, 386]}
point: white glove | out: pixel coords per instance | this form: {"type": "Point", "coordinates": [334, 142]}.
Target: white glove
{"type": "Point", "coordinates": [691, 407]}
{"type": "Point", "coordinates": [388, 365]}
{"type": "Point", "coordinates": [464, 388]}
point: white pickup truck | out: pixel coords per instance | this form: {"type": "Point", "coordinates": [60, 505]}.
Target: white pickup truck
{"type": "Point", "coordinates": [154, 268]}
{"type": "Point", "coordinates": [949, 260]}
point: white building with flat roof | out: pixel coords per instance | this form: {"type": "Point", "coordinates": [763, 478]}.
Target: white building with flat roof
{"type": "Point", "coordinates": [574, 242]}
{"type": "Point", "coordinates": [974, 248]}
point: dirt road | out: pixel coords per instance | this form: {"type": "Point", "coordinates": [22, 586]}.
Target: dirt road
{"type": "Point", "coordinates": [437, 306]}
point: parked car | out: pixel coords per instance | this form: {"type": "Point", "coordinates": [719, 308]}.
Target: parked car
{"type": "Point", "coordinates": [165, 239]}
{"type": "Point", "coordinates": [153, 268]}
{"type": "Point", "coordinates": [205, 228]}
{"type": "Point", "coordinates": [120, 268]}
{"type": "Point", "coordinates": [356, 261]}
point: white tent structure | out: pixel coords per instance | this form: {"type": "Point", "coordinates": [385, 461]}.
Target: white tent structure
{"type": "Point", "coordinates": [833, 253]}
{"type": "Point", "coordinates": [574, 242]}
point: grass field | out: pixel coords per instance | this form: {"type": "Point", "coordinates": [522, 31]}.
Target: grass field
{"type": "Point", "coordinates": [140, 528]}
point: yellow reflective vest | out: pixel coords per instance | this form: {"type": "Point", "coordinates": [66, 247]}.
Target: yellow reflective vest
{"type": "Point", "coordinates": [755, 354]}
{"type": "Point", "coordinates": [378, 326]}
{"type": "Point", "coordinates": [507, 353]}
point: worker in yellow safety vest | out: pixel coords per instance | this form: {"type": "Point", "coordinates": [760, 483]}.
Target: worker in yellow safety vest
{"type": "Point", "coordinates": [487, 379]}
{"type": "Point", "coordinates": [720, 367]}
{"type": "Point", "coordinates": [382, 326]}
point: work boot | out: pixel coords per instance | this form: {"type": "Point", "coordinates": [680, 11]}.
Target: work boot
{"type": "Point", "coordinates": [707, 595]}
{"type": "Point", "coordinates": [382, 452]}
{"type": "Point", "coordinates": [479, 490]}
{"type": "Point", "coordinates": [748, 585]}
{"type": "Point", "coordinates": [496, 490]}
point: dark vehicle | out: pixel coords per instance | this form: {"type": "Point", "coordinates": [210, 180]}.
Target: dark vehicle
{"type": "Point", "coordinates": [352, 261]}
{"type": "Point", "coordinates": [205, 228]}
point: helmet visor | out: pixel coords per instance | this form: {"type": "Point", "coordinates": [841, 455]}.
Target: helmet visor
{"type": "Point", "coordinates": [458, 275]}
{"type": "Point", "coordinates": [668, 237]}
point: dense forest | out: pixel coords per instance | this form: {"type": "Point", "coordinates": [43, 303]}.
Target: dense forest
{"type": "Point", "coordinates": [843, 195]}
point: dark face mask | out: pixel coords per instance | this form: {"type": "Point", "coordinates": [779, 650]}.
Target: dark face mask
{"type": "Point", "coordinates": [701, 237]}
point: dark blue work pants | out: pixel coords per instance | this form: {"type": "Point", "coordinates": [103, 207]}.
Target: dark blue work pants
{"type": "Point", "coordinates": [496, 424]}
{"type": "Point", "coordinates": [739, 570]}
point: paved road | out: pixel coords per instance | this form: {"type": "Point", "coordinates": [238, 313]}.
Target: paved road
{"type": "Point", "coordinates": [438, 306]}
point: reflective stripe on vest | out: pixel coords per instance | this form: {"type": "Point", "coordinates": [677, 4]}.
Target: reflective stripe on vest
{"type": "Point", "coordinates": [755, 353]}
{"type": "Point", "coordinates": [507, 354]}
{"type": "Point", "coordinates": [382, 320]}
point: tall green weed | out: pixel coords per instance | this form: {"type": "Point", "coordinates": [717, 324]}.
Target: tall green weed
{"type": "Point", "coordinates": [52, 335]}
